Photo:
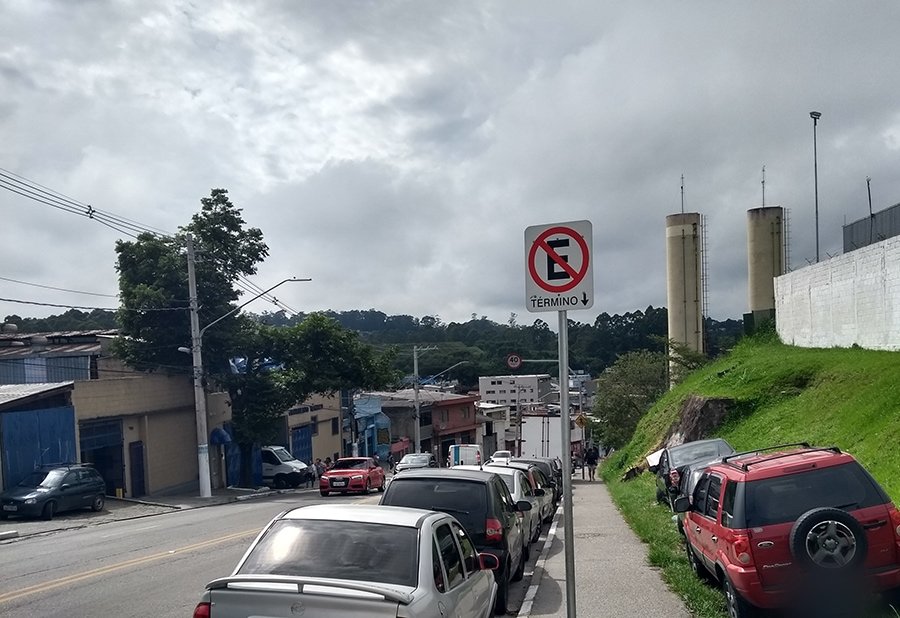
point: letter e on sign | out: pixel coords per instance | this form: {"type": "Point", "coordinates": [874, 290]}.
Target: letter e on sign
{"type": "Point", "coordinates": [559, 269]}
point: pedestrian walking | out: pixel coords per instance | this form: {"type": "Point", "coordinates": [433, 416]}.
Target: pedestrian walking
{"type": "Point", "coordinates": [312, 474]}
{"type": "Point", "coordinates": [591, 458]}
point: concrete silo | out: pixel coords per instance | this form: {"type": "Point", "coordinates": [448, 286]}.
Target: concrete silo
{"type": "Point", "coordinates": [765, 259]}
{"type": "Point", "coordinates": [684, 278]}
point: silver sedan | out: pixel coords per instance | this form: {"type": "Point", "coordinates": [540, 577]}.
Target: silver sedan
{"type": "Point", "coordinates": [357, 561]}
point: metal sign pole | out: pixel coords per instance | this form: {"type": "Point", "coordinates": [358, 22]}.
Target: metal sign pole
{"type": "Point", "coordinates": [565, 420]}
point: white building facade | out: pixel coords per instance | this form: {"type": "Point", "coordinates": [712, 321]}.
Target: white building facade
{"type": "Point", "coordinates": [515, 391]}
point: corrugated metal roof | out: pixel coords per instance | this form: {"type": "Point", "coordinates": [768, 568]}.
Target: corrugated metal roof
{"type": "Point", "coordinates": [69, 349]}
{"type": "Point", "coordinates": [13, 392]}
{"type": "Point", "coordinates": [64, 334]}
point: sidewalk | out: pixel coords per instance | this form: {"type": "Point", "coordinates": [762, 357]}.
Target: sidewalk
{"type": "Point", "coordinates": [612, 576]}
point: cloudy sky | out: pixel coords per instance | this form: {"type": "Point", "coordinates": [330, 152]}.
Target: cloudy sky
{"type": "Point", "coordinates": [395, 152]}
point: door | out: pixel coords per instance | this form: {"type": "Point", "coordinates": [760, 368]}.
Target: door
{"type": "Point", "coordinates": [479, 584]}
{"type": "Point", "coordinates": [102, 445]}
{"type": "Point", "coordinates": [136, 463]}
{"type": "Point", "coordinates": [301, 443]}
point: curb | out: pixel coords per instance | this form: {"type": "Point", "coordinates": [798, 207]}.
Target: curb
{"type": "Point", "coordinates": [8, 535]}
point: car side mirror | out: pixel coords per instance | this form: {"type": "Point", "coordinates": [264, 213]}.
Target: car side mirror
{"type": "Point", "coordinates": [488, 562]}
{"type": "Point", "coordinates": [682, 504]}
{"type": "Point", "coordinates": [523, 505]}
{"type": "Point", "coordinates": [65, 486]}
{"type": "Point", "coordinates": [653, 469]}
{"type": "Point", "coordinates": [539, 492]}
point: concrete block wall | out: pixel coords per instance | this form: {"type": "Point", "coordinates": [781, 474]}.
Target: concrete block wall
{"type": "Point", "coordinates": [850, 299]}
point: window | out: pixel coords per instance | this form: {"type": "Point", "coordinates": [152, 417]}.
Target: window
{"type": "Point", "coordinates": [466, 412]}
{"type": "Point", "coordinates": [712, 497]}
{"type": "Point", "coordinates": [314, 425]}
{"type": "Point", "coordinates": [450, 556]}
{"type": "Point", "coordinates": [470, 556]}
{"type": "Point", "coordinates": [700, 494]}
{"type": "Point", "coordinates": [335, 429]}
{"type": "Point", "coordinates": [505, 497]}
{"type": "Point", "coordinates": [445, 416]}
{"type": "Point", "coordinates": [524, 484]}
{"type": "Point", "coordinates": [270, 458]}
{"type": "Point", "coordinates": [437, 567]}
{"type": "Point", "coordinates": [728, 503]}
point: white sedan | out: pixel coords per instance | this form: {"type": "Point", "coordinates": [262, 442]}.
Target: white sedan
{"type": "Point", "coordinates": [357, 561]}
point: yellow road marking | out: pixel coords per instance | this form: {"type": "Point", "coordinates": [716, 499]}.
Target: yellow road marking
{"type": "Point", "coordinates": [77, 577]}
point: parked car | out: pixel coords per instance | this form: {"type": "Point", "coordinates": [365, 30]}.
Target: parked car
{"type": "Point", "coordinates": [411, 461]}
{"type": "Point", "coordinates": [689, 478]}
{"type": "Point", "coordinates": [352, 474]}
{"type": "Point", "coordinates": [355, 560]}
{"type": "Point", "coordinates": [538, 481]}
{"type": "Point", "coordinates": [49, 490]}
{"type": "Point", "coordinates": [773, 524]}
{"type": "Point", "coordinates": [520, 488]}
{"type": "Point", "coordinates": [548, 468]}
{"type": "Point", "coordinates": [280, 469]}
{"type": "Point", "coordinates": [502, 456]}
{"type": "Point", "coordinates": [482, 503]}
{"type": "Point", "coordinates": [673, 459]}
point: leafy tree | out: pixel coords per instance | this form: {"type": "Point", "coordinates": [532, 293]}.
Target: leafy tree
{"type": "Point", "coordinates": [625, 391]}
{"type": "Point", "coordinates": [153, 284]}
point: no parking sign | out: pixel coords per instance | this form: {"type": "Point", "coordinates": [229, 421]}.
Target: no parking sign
{"type": "Point", "coordinates": [559, 269]}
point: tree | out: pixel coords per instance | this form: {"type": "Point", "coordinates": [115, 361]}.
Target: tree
{"type": "Point", "coordinates": [625, 391]}
{"type": "Point", "coordinates": [153, 287]}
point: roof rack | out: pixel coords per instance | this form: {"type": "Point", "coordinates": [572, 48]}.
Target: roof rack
{"type": "Point", "coordinates": [804, 445]}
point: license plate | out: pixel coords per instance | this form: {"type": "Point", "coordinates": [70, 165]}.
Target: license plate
{"type": "Point", "coordinates": [10, 507]}
{"type": "Point", "coordinates": [338, 483]}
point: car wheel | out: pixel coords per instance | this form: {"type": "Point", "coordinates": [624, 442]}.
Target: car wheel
{"type": "Point", "coordinates": [280, 482]}
{"type": "Point", "coordinates": [381, 487]}
{"type": "Point", "coordinates": [520, 570]}
{"type": "Point", "coordinates": [735, 603]}
{"type": "Point", "coordinates": [501, 604]}
{"type": "Point", "coordinates": [828, 538]}
{"type": "Point", "coordinates": [368, 486]}
{"type": "Point", "coordinates": [49, 510]}
{"type": "Point", "coordinates": [526, 552]}
{"type": "Point", "coordinates": [660, 496]}
{"type": "Point", "coordinates": [324, 493]}
{"type": "Point", "coordinates": [695, 564]}
{"type": "Point", "coordinates": [98, 502]}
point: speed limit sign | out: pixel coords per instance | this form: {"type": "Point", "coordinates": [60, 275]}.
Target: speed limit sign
{"type": "Point", "coordinates": [513, 361]}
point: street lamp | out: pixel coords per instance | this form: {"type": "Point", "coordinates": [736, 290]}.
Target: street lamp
{"type": "Point", "coordinates": [416, 403]}
{"type": "Point", "coordinates": [815, 118]}
{"type": "Point", "coordinates": [197, 359]}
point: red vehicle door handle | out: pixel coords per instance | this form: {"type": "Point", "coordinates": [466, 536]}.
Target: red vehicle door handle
{"type": "Point", "coordinates": [871, 525]}
{"type": "Point", "coordinates": [697, 529]}
{"type": "Point", "coordinates": [715, 539]}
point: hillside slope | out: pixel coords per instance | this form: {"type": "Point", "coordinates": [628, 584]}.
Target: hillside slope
{"type": "Point", "coordinates": [844, 397]}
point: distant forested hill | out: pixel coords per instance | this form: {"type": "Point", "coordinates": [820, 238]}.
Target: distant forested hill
{"type": "Point", "coordinates": [73, 319]}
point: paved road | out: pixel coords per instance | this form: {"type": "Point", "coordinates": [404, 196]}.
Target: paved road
{"type": "Point", "coordinates": [154, 564]}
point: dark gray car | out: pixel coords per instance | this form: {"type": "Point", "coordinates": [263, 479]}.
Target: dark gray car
{"type": "Point", "coordinates": [52, 489]}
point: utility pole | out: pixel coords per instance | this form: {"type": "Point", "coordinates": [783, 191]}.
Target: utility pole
{"type": "Point", "coordinates": [416, 402]}
{"type": "Point", "coordinates": [199, 393]}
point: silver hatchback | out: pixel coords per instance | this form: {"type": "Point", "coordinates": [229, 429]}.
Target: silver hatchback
{"type": "Point", "coordinates": [357, 561]}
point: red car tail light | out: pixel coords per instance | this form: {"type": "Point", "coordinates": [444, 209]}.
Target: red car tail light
{"type": "Point", "coordinates": [895, 522]}
{"type": "Point", "coordinates": [674, 478]}
{"type": "Point", "coordinates": [493, 530]}
{"type": "Point", "coordinates": [202, 610]}
{"type": "Point", "coordinates": [741, 545]}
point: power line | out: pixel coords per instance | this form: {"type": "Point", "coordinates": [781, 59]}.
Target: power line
{"type": "Point", "coordinates": [50, 287]}
{"type": "Point", "coordinates": [31, 302]}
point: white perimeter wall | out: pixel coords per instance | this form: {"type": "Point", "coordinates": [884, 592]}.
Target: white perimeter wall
{"type": "Point", "coordinates": [850, 299]}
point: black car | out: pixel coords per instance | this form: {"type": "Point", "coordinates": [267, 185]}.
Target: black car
{"type": "Point", "coordinates": [674, 459]}
{"type": "Point", "coordinates": [553, 471]}
{"type": "Point", "coordinates": [482, 503]}
{"type": "Point", "coordinates": [51, 489]}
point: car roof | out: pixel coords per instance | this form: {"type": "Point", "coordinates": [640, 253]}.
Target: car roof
{"type": "Point", "coordinates": [364, 513]}
{"type": "Point", "coordinates": [514, 465]}
{"type": "Point", "coordinates": [693, 443]}
{"type": "Point", "coordinates": [756, 466]}
{"type": "Point", "coordinates": [501, 469]}
{"type": "Point", "coordinates": [481, 476]}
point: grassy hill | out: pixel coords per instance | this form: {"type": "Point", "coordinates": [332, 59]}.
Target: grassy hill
{"type": "Point", "coordinates": [849, 398]}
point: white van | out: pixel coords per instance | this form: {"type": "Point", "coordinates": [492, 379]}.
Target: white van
{"type": "Point", "coordinates": [280, 469]}
{"type": "Point", "coordinates": [464, 454]}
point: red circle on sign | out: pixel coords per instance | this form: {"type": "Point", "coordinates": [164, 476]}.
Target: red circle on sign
{"type": "Point", "coordinates": [513, 361]}
{"type": "Point", "coordinates": [539, 244]}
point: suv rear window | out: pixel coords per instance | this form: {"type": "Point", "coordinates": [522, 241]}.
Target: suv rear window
{"type": "Point", "coordinates": [785, 498]}
{"type": "Point", "coordinates": [465, 500]}
{"type": "Point", "coordinates": [357, 551]}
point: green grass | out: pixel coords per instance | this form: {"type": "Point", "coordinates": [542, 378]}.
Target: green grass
{"type": "Point", "coordinates": [849, 398]}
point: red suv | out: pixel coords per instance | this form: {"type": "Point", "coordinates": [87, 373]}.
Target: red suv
{"type": "Point", "coordinates": [788, 526]}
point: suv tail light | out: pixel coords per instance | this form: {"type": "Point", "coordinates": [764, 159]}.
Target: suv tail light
{"type": "Point", "coordinates": [895, 522]}
{"type": "Point", "coordinates": [741, 545]}
{"type": "Point", "coordinates": [202, 610]}
{"type": "Point", "coordinates": [493, 530]}
{"type": "Point", "coordinates": [674, 478]}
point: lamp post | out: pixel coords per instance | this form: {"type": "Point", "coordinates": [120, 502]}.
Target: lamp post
{"type": "Point", "coordinates": [416, 402]}
{"type": "Point", "coordinates": [815, 118]}
{"type": "Point", "coordinates": [197, 361]}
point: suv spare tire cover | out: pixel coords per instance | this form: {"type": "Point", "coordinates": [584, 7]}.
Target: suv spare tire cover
{"type": "Point", "coordinates": [828, 538]}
